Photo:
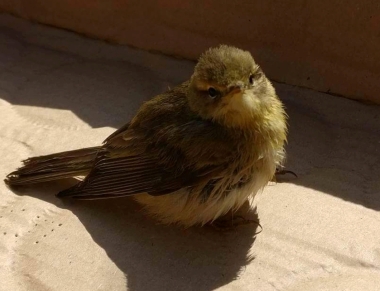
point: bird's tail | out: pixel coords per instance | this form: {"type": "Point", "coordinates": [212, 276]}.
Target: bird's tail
{"type": "Point", "coordinates": [53, 167]}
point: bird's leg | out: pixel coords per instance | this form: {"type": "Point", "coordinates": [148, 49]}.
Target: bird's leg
{"type": "Point", "coordinates": [231, 220]}
{"type": "Point", "coordinates": [230, 224]}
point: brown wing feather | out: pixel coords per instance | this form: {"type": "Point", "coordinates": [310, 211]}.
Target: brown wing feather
{"type": "Point", "coordinates": [164, 148]}
{"type": "Point", "coordinates": [117, 132]}
{"type": "Point", "coordinates": [127, 176]}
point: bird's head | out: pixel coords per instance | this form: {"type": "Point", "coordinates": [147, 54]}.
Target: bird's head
{"type": "Point", "coordinates": [230, 88]}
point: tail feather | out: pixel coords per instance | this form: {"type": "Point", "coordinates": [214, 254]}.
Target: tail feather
{"type": "Point", "coordinates": [53, 167]}
{"type": "Point", "coordinates": [71, 192]}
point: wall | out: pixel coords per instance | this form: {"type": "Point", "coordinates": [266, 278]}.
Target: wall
{"type": "Point", "coordinates": [330, 46]}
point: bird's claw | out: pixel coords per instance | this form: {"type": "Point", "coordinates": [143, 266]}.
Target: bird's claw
{"type": "Point", "coordinates": [284, 172]}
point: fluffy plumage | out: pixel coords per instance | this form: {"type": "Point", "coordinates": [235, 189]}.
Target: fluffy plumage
{"type": "Point", "coordinates": [189, 155]}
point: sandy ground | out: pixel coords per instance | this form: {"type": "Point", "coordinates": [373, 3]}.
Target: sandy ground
{"type": "Point", "coordinates": [60, 91]}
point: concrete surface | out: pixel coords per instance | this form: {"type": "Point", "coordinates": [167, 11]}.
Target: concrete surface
{"type": "Point", "coordinates": [329, 46]}
{"type": "Point", "coordinates": [59, 91]}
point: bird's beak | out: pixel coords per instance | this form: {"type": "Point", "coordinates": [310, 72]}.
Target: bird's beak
{"type": "Point", "coordinates": [237, 88]}
{"type": "Point", "coordinates": [235, 91]}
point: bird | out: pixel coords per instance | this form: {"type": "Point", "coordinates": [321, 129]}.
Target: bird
{"type": "Point", "coordinates": [191, 154]}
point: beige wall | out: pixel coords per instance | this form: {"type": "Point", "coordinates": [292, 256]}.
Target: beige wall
{"type": "Point", "coordinates": [327, 45]}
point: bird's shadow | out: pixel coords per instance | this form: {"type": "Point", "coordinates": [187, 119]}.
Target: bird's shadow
{"type": "Point", "coordinates": [157, 257]}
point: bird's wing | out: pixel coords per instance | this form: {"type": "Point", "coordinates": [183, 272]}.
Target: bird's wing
{"type": "Point", "coordinates": [117, 132]}
{"type": "Point", "coordinates": [156, 162]}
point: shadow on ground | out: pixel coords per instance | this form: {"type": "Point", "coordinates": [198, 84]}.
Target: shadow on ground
{"type": "Point", "coordinates": [100, 90]}
{"type": "Point", "coordinates": [334, 145]}
{"type": "Point", "coordinates": [157, 257]}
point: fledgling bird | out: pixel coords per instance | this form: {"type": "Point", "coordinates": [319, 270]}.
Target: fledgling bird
{"type": "Point", "coordinates": [191, 154]}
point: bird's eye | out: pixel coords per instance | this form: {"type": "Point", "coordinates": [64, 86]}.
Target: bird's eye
{"type": "Point", "coordinates": [212, 92]}
{"type": "Point", "coordinates": [251, 79]}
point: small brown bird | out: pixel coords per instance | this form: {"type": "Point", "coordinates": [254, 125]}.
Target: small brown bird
{"type": "Point", "coordinates": [191, 154]}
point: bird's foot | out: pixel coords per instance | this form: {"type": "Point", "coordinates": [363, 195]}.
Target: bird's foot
{"type": "Point", "coordinates": [231, 224]}
{"type": "Point", "coordinates": [281, 172]}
